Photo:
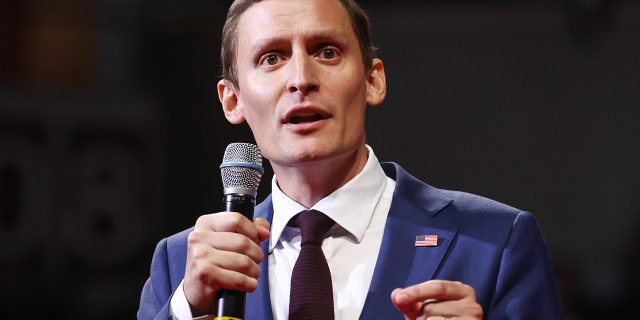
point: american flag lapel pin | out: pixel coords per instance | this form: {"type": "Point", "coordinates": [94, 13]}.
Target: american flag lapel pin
{"type": "Point", "coordinates": [427, 241]}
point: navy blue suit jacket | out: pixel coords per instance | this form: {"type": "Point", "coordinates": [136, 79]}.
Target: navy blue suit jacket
{"type": "Point", "coordinates": [496, 249]}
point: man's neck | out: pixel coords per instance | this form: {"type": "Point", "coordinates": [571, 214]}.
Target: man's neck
{"type": "Point", "coordinates": [309, 182]}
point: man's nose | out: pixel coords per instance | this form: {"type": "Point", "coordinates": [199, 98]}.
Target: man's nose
{"type": "Point", "coordinates": [303, 75]}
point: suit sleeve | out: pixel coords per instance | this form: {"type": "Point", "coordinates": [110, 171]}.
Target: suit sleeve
{"type": "Point", "coordinates": [526, 286]}
{"type": "Point", "coordinates": [156, 293]}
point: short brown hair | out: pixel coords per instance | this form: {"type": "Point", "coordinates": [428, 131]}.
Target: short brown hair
{"type": "Point", "coordinates": [357, 16]}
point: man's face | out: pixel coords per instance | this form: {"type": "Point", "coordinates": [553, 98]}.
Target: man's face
{"type": "Point", "coordinates": [303, 87]}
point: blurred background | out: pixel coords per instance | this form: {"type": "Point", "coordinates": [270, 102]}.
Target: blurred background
{"type": "Point", "coordinates": [111, 135]}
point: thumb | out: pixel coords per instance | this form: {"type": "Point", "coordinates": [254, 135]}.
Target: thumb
{"type": "Point", "coordinates": [263, 229]}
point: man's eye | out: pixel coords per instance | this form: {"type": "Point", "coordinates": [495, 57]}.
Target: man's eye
{"type": "Point", "coordinates": [328, 54]}
{"type": "Point", "coordinates": [271, 60]}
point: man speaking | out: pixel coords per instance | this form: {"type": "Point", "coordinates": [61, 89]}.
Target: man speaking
{"type": "Point", "coordinates": [342, 236]}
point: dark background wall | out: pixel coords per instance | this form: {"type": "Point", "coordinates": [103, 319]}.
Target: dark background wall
{"type": "Point", "coordinates": [111, 134]}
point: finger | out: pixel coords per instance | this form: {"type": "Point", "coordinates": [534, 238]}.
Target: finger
{"type": "Point", "coordinates": [410, 300]}
{"type": "Point", "coordinates": [232, 270]}
{"type": "Point", "coordinates": [458, 309]}
{"type": "Point", "coordinates": [440, 290]}
{"type": "Point", "coordinates": [225, 271]}
{"type": "Point", "coordinates": [409, 307]}
{"type": "Point", "coordinates": [228, 222]}
{"type": "Point", "coordinates": [215, 269]}
{"type": "Point", "coordinates": [202, 244]}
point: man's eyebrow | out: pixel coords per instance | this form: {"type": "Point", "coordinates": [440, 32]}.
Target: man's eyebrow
{"type": "Point", "coordinates": [257, 48]}
{"type": "Point", "coordinates": [333, 36]}
{"type": "Point", "coordinates": [329, 35]}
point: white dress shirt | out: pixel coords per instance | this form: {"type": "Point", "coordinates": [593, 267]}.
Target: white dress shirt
{"type": "Point", "coordinates": [360, 209]}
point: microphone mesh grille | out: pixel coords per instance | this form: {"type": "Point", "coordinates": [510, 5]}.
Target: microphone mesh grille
{"type": "Point", "coordinates": [239, 169]}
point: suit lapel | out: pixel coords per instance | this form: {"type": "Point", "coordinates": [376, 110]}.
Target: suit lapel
{"type": "Point", "coordinates": [400, 263]}
{"type": "Point", "coordinates": [258, 305]}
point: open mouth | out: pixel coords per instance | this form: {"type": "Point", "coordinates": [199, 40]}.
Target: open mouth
{"type": "Point", "coordinates": [305, 118]}
{"type": "Point", "coordinates": [306, 115]}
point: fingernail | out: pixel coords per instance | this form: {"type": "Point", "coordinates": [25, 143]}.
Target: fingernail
{"type": "Point", "coordinates": [402, 298]}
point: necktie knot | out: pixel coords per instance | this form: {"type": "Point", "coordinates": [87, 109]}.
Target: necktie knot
{"type": "Point", "coordinates": [313, 225]}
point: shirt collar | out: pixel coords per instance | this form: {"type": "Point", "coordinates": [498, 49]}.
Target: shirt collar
{"type": "Point", "coordinates": [351, 206]}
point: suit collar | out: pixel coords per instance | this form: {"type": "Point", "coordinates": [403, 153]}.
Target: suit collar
{"type": "Point", "coordinates": [424, 197]}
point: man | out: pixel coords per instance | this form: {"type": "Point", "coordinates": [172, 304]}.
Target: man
{"type": "Point", "coordinates": [301, 73]}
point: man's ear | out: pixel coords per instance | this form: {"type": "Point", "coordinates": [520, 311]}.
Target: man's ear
{"type": "Point", "coordinates": [376, 83]}
{"type": "Point", "coordinates": [228, 96]}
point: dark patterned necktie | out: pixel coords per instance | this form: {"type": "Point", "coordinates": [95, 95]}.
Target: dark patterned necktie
{"type": "Point", "coordinates": [311, 295]}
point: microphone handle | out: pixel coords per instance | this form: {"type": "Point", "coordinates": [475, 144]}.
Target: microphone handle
{"type": "Point", "coordinates": [231, 303]}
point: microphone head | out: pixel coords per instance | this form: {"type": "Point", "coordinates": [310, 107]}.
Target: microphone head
{"type": "Point", "coordinates": [241, 169]}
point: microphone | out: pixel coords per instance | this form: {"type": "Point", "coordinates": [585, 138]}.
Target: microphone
{"type": "Point", "coordinates": [241, 170]}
